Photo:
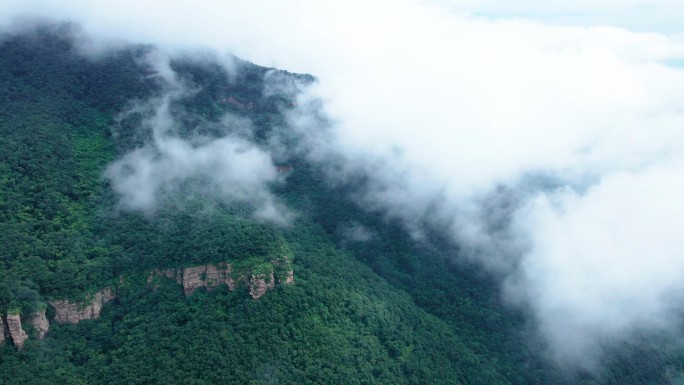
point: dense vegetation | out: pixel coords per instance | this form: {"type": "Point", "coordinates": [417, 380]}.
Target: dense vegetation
{"type": "Point", "coordinates": [385, 310]}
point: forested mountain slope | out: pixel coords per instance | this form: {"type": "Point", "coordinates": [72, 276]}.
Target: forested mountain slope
{"type": "Point", "coordinates": [382, 309]}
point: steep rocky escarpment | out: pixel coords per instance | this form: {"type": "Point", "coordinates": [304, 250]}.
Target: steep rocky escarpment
{"type": "Point", "coordinates": [2, 330]}
{"type": "Point", "coordinates": [192, 278]}
{"type": "Point", "coordinates": [13, 328]}
{"type": "Point", "coordinates": [16, 332]}
{"type": "Point", "coordinates": [40, 323]}
{"type": "Point", "coordinates": [259, 284]}
{"type": "Point", "coordinates": [208, 276]}
{"type": "Point", "coordinates": [283, 270]}
{"type": "Point", "coordinates": [257, 277]}
{"type": "Point", "coordinates": [65, 312]}
{"type": "Point", "coordinates": [73, 312]}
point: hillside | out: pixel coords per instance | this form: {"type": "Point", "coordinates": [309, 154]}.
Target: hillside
{"type": "Point", "coordinates": [202, 287]}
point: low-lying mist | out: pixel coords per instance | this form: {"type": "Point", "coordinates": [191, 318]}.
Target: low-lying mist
{"type": "Point", "coordinates": [229, 168]}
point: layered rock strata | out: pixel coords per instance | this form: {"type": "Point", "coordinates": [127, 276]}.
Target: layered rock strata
{"type": "Point", "coordinates": [73, 312]}
{"type": "Point", "coordinates": [13, 327]}
{"type": "Point", "coordinates": [65, 312]}
{"type": "Point", "coordinates": [259, 284]}
{"type": "Point", "coordinates": [208, 276]}
{"type": "Point", "coordinates": [2, 330]}
{"type": "Point", "coordinates": [16, 332]}
{"type": "Point", "coordinates": [211, 276]}
{"type": "Point", "coordinates": [40, 323]}
{"type": "Point", "coordinates": [284, 267]}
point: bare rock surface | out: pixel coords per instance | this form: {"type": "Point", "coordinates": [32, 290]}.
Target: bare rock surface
{"type": "Point", "coordinates": [193, 278]}
{"type": "Point", "coordinates": [208, 276]}
{"type": "Point", "coordinates": [211, 276]}
{"type": "Point", "coordinates": [285, 274]}
{"type": "Point", "coordinates": [74, 312]}
{"type": "Point", "coordinates": [17, 333]}
{"type": "Point", "coordinates": [259, 284]}
{"type": "Point", "coordinates": [40, 323]}
{"type": "Point", "coordinates": [2, 330]}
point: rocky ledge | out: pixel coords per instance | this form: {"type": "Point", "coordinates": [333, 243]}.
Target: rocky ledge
{"type": "Point", "coordinates": [65, 312]}
{"type": "Point", "coordinates": [74, 312]}
{"type": "Point", "coordinates": [258, 278]}
{"type": "Point", "coordinates": [16, 332]}
{"type": "Point", "coordinates": [12, 326]}
{"type": "Point", "coordinates": [40, 323]}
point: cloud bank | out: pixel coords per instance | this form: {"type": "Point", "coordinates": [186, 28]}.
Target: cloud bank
{"type": "Point", "coordinates": [229, 168]}
{"type": "Point", "coordinates": [605, 262]}
{"type": "Point", "coordinates": [551, 153]}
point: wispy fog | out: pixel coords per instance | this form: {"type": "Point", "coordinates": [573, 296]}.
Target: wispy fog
{"type": "Point", "coordinates": [229, 168]}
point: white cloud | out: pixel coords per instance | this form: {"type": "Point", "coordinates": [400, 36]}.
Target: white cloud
{"type": "Point", "coordinates": [606, 262]}
{"type": "Point", "coordinates": [230, 168]}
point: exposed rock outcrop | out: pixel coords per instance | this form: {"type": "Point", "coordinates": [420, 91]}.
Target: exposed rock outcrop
{"type": "Point", "coordinates": [2, 330]}
{"type": "Point", "coordinates": [289, 278]}
{"type": "Point", "coordinates": [175, 274]}
{"type": "Point", "coordinates": [73, 312]}
{"type": "Point", "coordinates": [12, 325]}
{"type": "Point", "coordinates": [208, 276]}
{"type": "Point", "coordinates": [17, 333]}
{"type": "Point", "coordinates": [259, 284]}
{"type": "Point", "coordinates": [40, 323]}
{"type": "Point", "coordinates": [284, 272]}
{"type": "Point", "coordinates": [65, 312]}
{"type": "Point", "coordinates": [211, 276]}
{"type": "Point", "coordinates": [258, 279]}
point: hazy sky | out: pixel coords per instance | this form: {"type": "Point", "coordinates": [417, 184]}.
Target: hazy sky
{"type": "Point", "coordinates": [575, 109]}
{"type": "Point", "coordinates": [636, 15]}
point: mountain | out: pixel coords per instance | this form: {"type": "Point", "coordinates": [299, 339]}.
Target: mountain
{"type": "Point", "coordinates": [287, 280]}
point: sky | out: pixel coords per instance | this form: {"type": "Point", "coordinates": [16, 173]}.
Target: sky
{"type": "Point", "coordinates": [545, 137]}
{"type": "Point", "coordinates": [636, 15]}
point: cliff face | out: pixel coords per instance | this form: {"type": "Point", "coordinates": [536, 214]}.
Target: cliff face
{"type": "Point", "coordinates": [73, 312]}
{"type": "Point", "coordinates": [65, 312]}
{"type": "Point", "coordinates": [13, 327]}
{"type": "Point", "coordinates": [259, 284]}
{"type": "Point", "coordinates": [175, 274]}
{"type": "Point", "coordinates": [283, 270]}
{"type": "Point", "coordinates": [17, 333]}
{"type": "Point", "coordinates": [40, 323]}
{"type": "Point", "coordinates": [2, 330]}
{"type": "Point", "coordinates": [258, 280]}
{"type": "Point", "coordinates": [211, 276]}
